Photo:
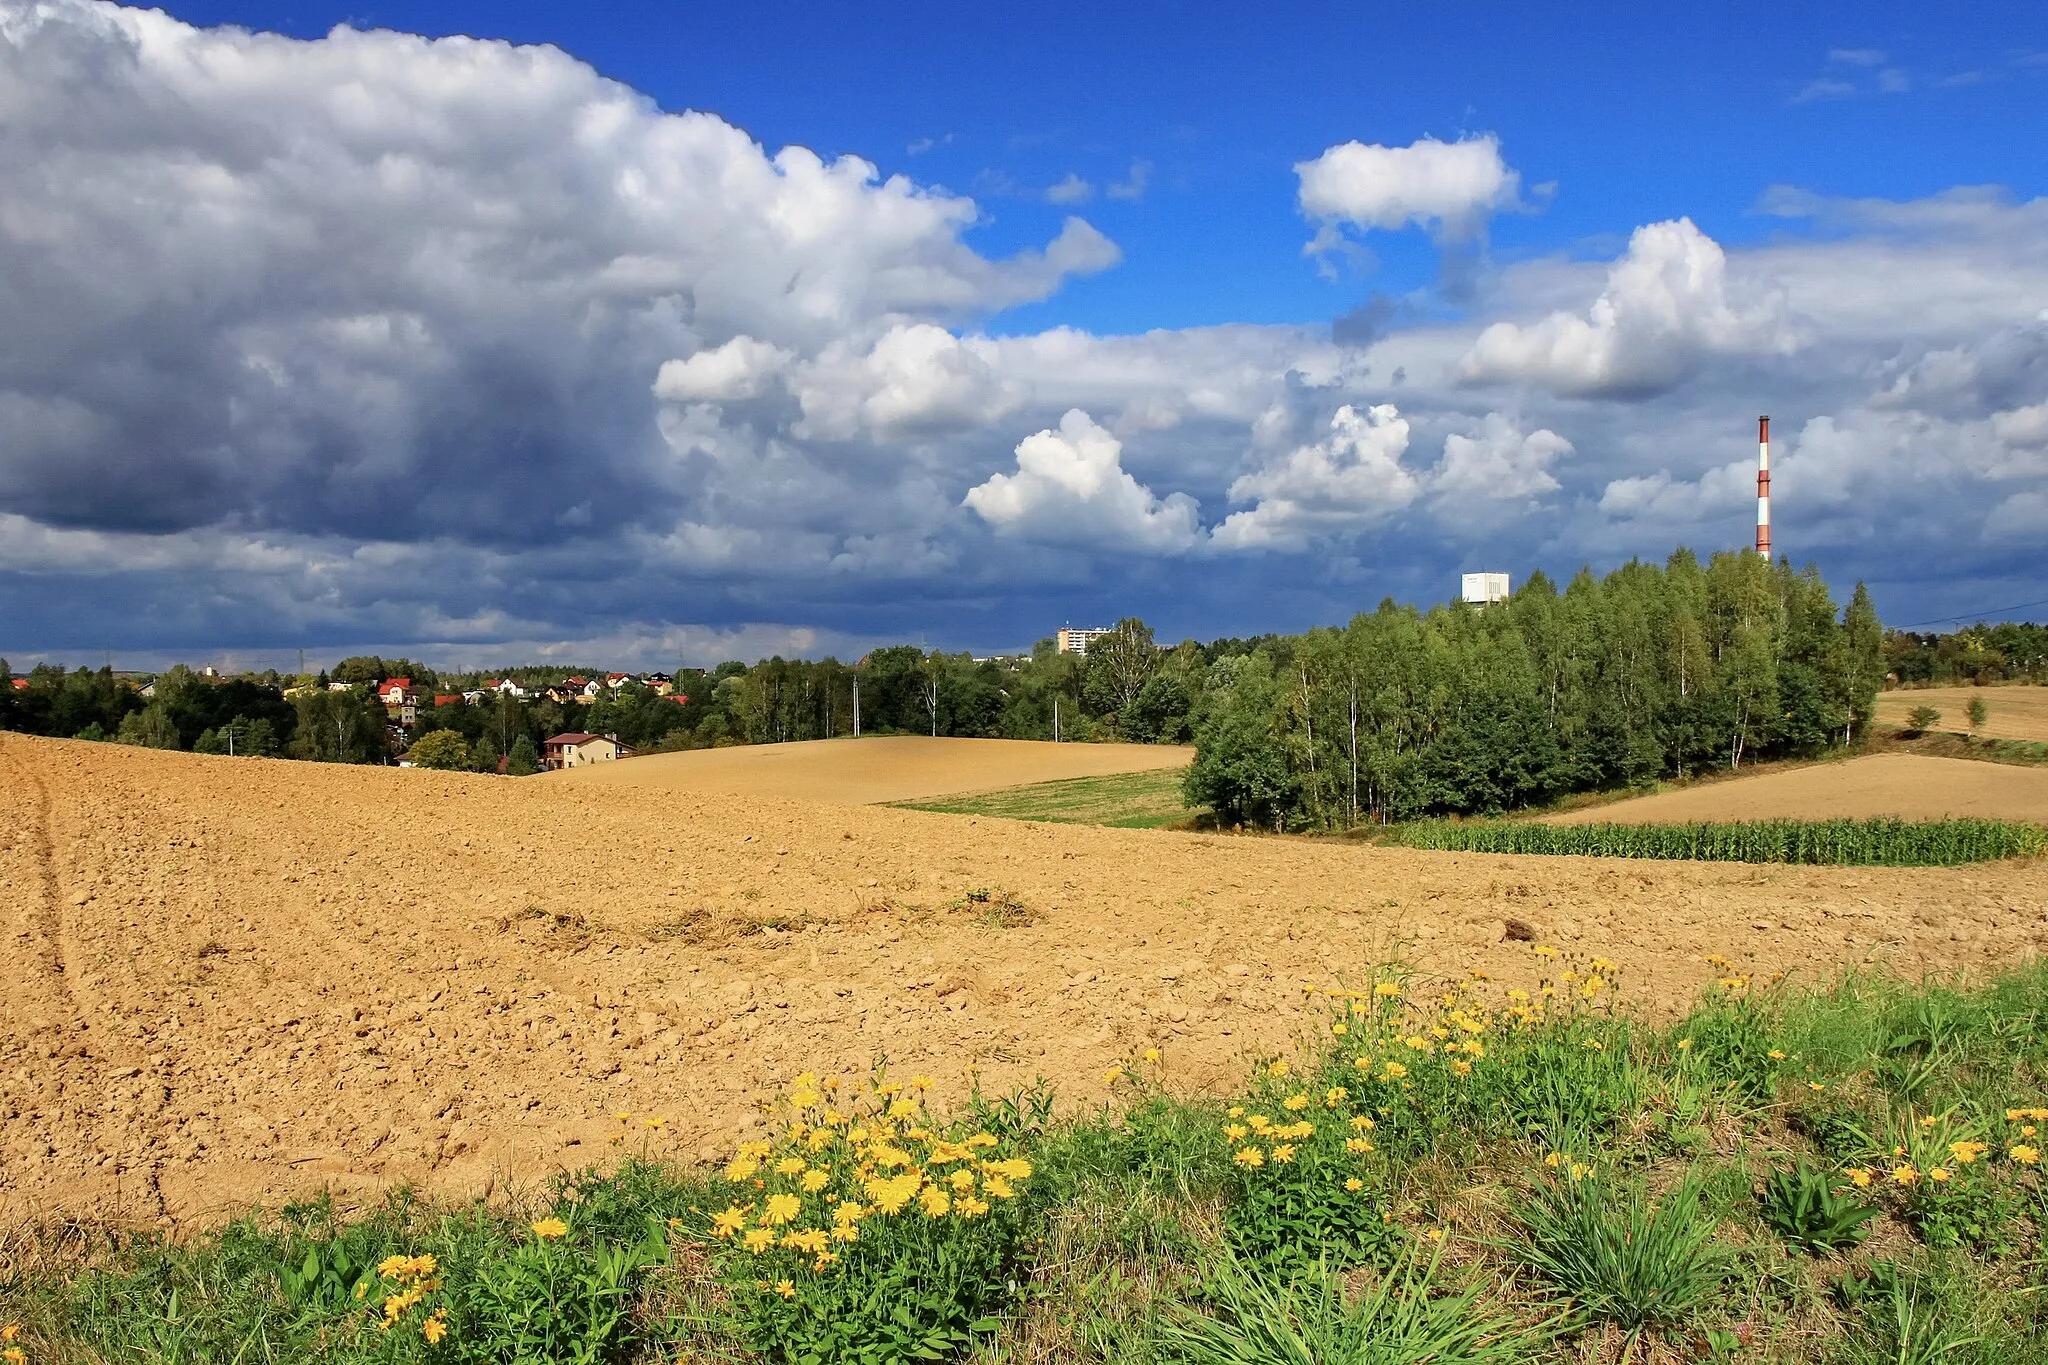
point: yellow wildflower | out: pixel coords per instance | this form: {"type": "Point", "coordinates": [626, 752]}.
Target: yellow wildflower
{"type": "Point", "coordinates": [1249, 1157]}
{"type": "Point", "coordinates": [1011, 1168]}
{"type": "Point", "coordinates": [1362, 1122]}
{"type": "Point", "coordinates": [1939, 1175]}
{"type": "Point", "coordinates": [1967, 1152]}
{"type": "Point", "coordinates": [790, 1165]}
{"type": "Point", "coordinates": [1859, 1176]}
{"type": "Point", "coordinates": [759, 1240]}
{"type": "Point", "coordinates": [1553, 1159]}
{"type": "Point", "coordinates": [1358, 1145]}
{"type": "Point", "coordinates": [730, 1220]}
{"type": "Point", "coordinates": [1113, 1075]}
{"type": "Point", "coordinates": [1776, 1054]}
{"type": "Point", "coordinates": [1278, 1069]}
{"type": "Point", "coordinates": [741, 1167]}
{"type": "Point", "coordinates": [1234, 1132]}
{"type": "Point", "coordinates": [1340, 1029]}
{"type": "Point", "coordinates": [1284, 1153]}
{"type": "Point", "coordinates": [1354, 1184]}
{"type": "Point", "coordinates": [1435, 1234]}
{"type": "Point", "coordinates": [1295, 1103]}
{"type": "Point", "coordinates": [436, 1327]}
{"type": "Point", "coordinates": [1387, 990]}
{"type": "Point", "coordinates": [786, 1288]}
{"type": "Point", "coordinates": [2024, 1154]}
{"type": "Point", "coordinates": [550, 1228]}
{"type": "Point", "coordinates": [813, 1181]}
{"type": "Point", "coordinates": [1544, 950]}
{"type": "Point", "coordinates": [1151, 1054]}
{"type": "Point", "coordinates": [782, 1208]}
{"type": "Point", "coordinates": [1395, 1070]}
{"type": "Point", "coordinates": [967, 1206]}
{"type": "Point", "coordinates": [1904, 1175]}
{"type": "Point", "coordinates": [1462, 1067]}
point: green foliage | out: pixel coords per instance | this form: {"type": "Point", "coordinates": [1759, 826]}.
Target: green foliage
{"type": "Point", "coordinates": [1403, 1318]}
{"type": "Point", "coordinates": [1883, 842]}
{"type": "Point", "coordinates": [558, 1296]}
{"type": "Point", "coordinates": [1597, 1241]}
{"type": "Point", "coordinates": [1922, 718]}
{"type": "Point", "coordinates": [441, 749]}
{"type": "Point", "coordinates": [1807, 1209]}
{"type": "Point", "coordinates": [1979, 713]}
{"type": "Point", "coordinates": [523, 761]}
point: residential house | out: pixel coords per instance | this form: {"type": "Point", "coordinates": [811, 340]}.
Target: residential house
{"type": "Point", "coordinates": [592, 690]}
{"type": "Point", "coordinates": [504, 687]}
{"type": "Point", "coordinates": [575, 750]}
{"type": "Point", "coordinates": [475, 698]}
{"type": "Point", "coordinates": [401, 703]}
{"type": "Point", "coordinates": [615, 681]}
{"type": "Point", "coordinates": [449, 698]}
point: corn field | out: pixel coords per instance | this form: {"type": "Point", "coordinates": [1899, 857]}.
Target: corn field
{"type": "Point", "coordinates": [1885, 843]}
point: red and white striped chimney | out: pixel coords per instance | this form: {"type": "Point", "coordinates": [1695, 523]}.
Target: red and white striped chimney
{"type": "Point", "coordinates": [1763, 486]}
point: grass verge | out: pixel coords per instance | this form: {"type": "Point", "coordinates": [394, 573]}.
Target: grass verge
{"type": "Point", "coordinates": [1890, 843]}
{"type": "Point", "coordinates": [1443, 1172]}
{"type": "Point", "coordinates": [1147, 800]}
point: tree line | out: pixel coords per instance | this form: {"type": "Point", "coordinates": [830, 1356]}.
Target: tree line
{"type": "Point", "coordinates": [2012, 651]}
{"type": "Point", "coordinates": [1465, 709]}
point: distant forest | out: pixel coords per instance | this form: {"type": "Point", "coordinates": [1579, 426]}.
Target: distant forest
{"type": "Point", "coordinates": [1650, 671]}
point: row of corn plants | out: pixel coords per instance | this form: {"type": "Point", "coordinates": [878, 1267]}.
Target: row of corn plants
{"type": "Point", "coordinates": [1443, 1172]}
{"type": "Point", "coordinates": [1889, 843]}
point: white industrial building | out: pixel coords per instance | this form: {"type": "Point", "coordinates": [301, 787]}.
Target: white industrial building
{"type": "Point", "coordinates": [1485, 588]}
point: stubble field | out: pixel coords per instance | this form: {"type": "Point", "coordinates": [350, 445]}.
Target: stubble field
{"type": "Point", "coordinates": [1906, 786]}
{"type": "Point", "coordinates": [2017, 712]}
{"type": "Point", "coordinates": [235, 980]}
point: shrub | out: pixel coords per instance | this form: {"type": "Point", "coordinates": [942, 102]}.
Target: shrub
{"type": "Point", "coordinates": [873, 1233]}
{"type": "Point", "coordinates": [1601, 1245]}
{"type": "Point", "coordinates": [1401, 1319]}
{"type": "Point", "coordinates": [558, 1296]}
{"type": "Point", "coordinates": [1803, 1206]}
{"type": "Point", "coordinates": [446, 750]}
{"type": "Point", "coordinates": [1922, 718]}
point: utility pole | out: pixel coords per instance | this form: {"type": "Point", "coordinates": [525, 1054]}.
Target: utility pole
{"type": "Point", "coordinates": [856, 706]}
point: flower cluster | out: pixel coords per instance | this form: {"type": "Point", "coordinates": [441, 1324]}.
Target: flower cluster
{"type": "Point", "coordinates": [412, 1278]}
{"type": "Point", "coordinates": [838, 1164]}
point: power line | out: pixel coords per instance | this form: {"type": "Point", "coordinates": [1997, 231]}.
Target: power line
{"type": "Point", "coordinates": [1979, 615]}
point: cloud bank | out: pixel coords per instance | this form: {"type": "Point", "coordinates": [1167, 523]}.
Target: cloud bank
{"type": "Point", "coordinates": [445, 343]}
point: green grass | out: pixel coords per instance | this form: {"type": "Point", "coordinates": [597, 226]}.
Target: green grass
{"type": "Point", "coordinates": [1147, 800]}
{"type": "Point", "coordinates": [1539, 1176]}
{"type": "Point", "coordinates": [1891, 843]}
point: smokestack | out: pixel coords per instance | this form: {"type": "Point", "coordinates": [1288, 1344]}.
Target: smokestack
{"type": "Point", "coordinates": [1763, 486]}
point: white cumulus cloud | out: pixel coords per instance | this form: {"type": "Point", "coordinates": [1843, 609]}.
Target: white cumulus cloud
{"type": "Point", "coordinates": [741, 368]}
{"type": "Point", "coordinates": [1666, 302]}
{"type": "Point", "coordinates": [1071, 488]}
{"type": "Point", "coordinates": [1349, 481]}
{"type": "Point", "coordinates": [915, 378]}
{"type": "Point", "coordinates": [1449, 186]}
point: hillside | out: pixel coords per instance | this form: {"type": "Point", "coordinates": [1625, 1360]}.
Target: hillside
{"type": "Point", "coordinates": [871, 770]}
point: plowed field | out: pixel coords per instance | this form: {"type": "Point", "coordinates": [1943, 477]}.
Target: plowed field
{"type": "Point", "coordinates": [2013, 712]}
{"type": "Point", "coordinates": [1909, 786]}
{"type": "Point", "coordinates": [859, 771]}
{"type": "Point", "coordinates": [230, 980]}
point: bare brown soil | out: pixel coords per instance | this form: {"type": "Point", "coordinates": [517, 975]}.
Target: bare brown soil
{"type": "Point", "coordinates": [1908, 786]}
{"type": "Point", "coordinates": [236, 980]}
{"type": "Point", "coordinates": [868, 770]}
{"type": "Point", "coordinates": [2016, 712]}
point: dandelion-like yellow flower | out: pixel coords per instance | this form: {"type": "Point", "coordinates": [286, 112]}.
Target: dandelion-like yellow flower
{"type": "Point", "coordinates": [781, 1209]}
{"type": "Point", "coordinates": [1278, 1069]}
{"type": "Point", "coordinates": [1435, 1234]}
{"type": "Point", "coordinates": [1235, 1111]}
{"type": "Point", "coordinates": [728, 1221]}
{"type": "Point", "coordinates": [547, 1229]}
{"type": "Point", "coordinates": [1387, 990]}
{"type": "Point", "coordinates": [1249, 1157]}
{"type": "Point", "coordinates": [786, 1288]}
{"type": "Point", "coordinates": [1816, 1085]}
{"type": "Point", "coordinates": [1929, 1121]}
{"type": "Point", "coordinates": [1284, 1153]}
{"type": "Point", "coordinates": [1544, 950]}
{"type": "Point", "coordinates": [813, 1181]}
{"type": "Point", "coordinates": [740, 1168]}
{"type": "Point", "coordinates": [1295, 1103]}
{"type": "Point", "coordinates": [1776, 1054]}
{"type": "Point", "coordinates": [1395, 1071]}
{"type": "Point", "coordinates": [1235, 1132]}
{"type": "Point", "coordinates": [1354, 1184]}
{"type": "Point", "coordinates": [1357, 1145]}
{"type": "Point", "coordinates": [1904, 1175]}
{"type": "Point", "coordinates": [1967, 1152]}
{"type": "Point", "coordinates": [436, 1327]}
{"type": "Point", "coordinates": [2024, 1154]}
{"type": "Point", "coordinates": [1859, 1176]}
{"type": "Point", "coordinates": [1151, 1054]}
{"type": "Point", "coordinates": [1113, 1075]}
{"type": "Point", "coordinates": [1362, 1064]}
{"type": "Point", "coordinates": [1340, 1029]}
{"type": "Point", "coordinates": [1362, 1123]}
{"type": "Point", "coordinates": [1553, 1160]}
{"type": "Point", "coordinates": [758, 1240]}
{"type": "Point", "coordinates": [967, 1206]}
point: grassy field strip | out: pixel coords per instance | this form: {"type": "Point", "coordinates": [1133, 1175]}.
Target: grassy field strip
{"type": "Point", "coordinates": [1145, 800]}
{"type": "Point", "coordinates": [1888, 843]}
{"type": "Point", "coordinates": [1475, 1172]}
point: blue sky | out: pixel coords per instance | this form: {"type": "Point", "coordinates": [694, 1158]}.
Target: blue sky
{"type": "Point", "coordinates": [552, 394]}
